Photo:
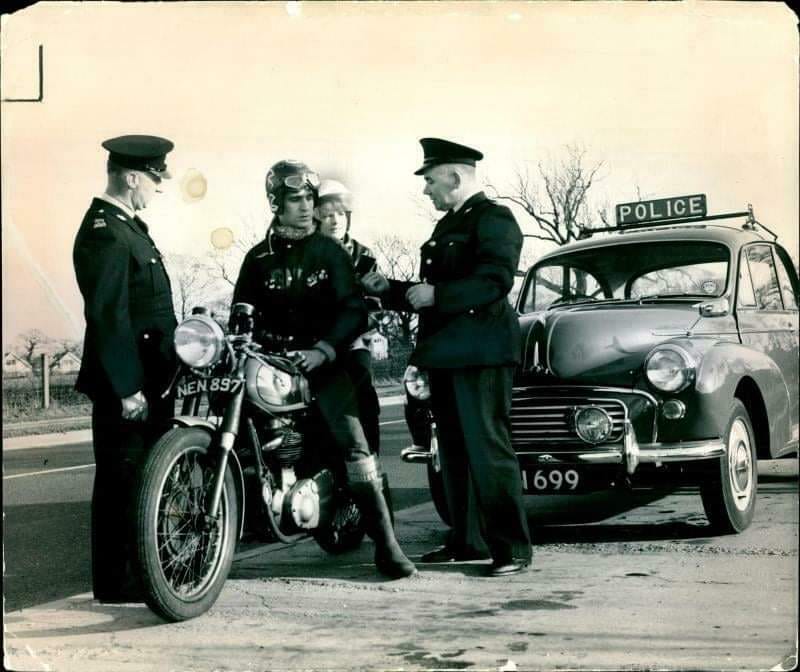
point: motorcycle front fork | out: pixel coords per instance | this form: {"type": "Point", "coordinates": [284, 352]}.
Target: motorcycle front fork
{"type": "Point", "coordinates": [227, 438]}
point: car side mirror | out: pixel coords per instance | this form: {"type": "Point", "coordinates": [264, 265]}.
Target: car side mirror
{"type": "Point", "coordinates": [714, 308]}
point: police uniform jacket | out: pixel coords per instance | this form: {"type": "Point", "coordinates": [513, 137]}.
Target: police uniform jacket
{"type": "Point", "coordinates": [470, 260]}
{"type": "Point", "coordinates": [130, 319]}
{"type": "Point", "coordinates": [304, 289]}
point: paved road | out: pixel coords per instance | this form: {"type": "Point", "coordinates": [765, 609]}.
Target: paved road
{"type": "Point", "coordinates": [46, 495]}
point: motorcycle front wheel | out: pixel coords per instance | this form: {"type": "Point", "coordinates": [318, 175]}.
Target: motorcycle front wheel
{"type": "Point", "coordinates": [185, 555]}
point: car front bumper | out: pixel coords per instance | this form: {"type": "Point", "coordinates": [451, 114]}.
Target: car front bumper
{"type": "Point", "coordinates": [629, 453]}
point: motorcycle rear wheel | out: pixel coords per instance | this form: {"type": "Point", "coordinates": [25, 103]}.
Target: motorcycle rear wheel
{"type": "Point", "coordinates": [185, 556]}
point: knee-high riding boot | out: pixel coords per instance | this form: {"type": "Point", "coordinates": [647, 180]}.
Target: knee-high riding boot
{"type": "Point", "coordinates": [364, 479]}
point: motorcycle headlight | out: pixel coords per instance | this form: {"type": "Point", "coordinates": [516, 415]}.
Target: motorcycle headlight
{"type": "Point", "coordinates": [199, 341]}
{"type": "Point", "coordinates": [416, 383]}
{"type": "Point", "coordinates": [592, 424]}
{"type": "Point", "coordinates": [670, 368]}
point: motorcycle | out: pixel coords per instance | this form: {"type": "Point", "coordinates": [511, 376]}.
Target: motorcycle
{"type": "Point", "coordinates": [256, 461]}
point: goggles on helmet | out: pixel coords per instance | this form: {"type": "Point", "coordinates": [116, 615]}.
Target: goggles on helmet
{"type": "Point", "coordinates": [300, 181]}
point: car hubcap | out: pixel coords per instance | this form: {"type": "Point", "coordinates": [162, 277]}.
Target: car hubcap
{"type": "Point", "coordinates": [740, 465]}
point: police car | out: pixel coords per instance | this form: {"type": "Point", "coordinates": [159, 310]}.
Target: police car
{"type": "Point", "coordinates": [660, 351]}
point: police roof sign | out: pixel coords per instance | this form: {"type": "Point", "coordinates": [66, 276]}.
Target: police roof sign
{"type": "Point", "coordinates": [661, 210]}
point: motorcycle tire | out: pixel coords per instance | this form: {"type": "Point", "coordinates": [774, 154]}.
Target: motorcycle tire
{"type": "Point", "coordinates": [344, 532]}
{"type": "Point", "coordinates": [185, 557]}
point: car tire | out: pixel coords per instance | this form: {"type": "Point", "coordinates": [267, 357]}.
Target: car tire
{"type": "Point", "coordinates": [729, 497]}
{"type": "Point", "coordinates": [436, 485]}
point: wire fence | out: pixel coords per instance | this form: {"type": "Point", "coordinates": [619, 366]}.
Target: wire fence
{"type": "Point", "coordinates": [24, 397]}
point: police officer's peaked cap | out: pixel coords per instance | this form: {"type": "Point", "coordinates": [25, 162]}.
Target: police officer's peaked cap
{"type": "Point", "coordinates": [438, 151]}
{"type": "Point", "coordinates": [140, 152]}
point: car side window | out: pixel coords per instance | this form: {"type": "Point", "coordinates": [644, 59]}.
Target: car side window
{"type": "Point", "coordinates": [787, 290]}
{"type": "Point", "coordinates": [765, 278]}
{"type": "Point", "coordinates": [549, 282]}
{"type": "Point", "coordinates": [747, 295]}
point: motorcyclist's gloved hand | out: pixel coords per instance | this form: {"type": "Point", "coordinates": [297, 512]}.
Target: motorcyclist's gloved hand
{"type": "Point", "coordinates": [134, 407]}
{"type": "Point", "coordinates": [374, 283]}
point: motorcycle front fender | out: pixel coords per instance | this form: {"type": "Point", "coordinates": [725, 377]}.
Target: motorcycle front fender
{"type": "Point", "coordinates": [211, 426]}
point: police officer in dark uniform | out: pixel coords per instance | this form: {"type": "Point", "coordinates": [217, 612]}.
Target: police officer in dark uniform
{"type": "Point", "coordinates": [128, 355]}
{"type": "Point", "coordinates": [303, 287]}
{"type": "Point", "coordinates": [469, 342]}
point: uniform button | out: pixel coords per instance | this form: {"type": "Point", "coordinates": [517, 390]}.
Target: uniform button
{"type": "Point", "coordinates": [146, 337]}
{"type": "Point", "coordinates": [450, 243]}
{"type": "Point", "coordinates": [153, 260]}
{"type": "Point", "coordinates": [471, 311]}
{"type": "Point", "coordinates": [432, 243]}
{"type": "Point", "coordinates": [429, 261]}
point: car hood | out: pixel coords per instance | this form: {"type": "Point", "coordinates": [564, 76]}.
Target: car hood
{"type": "Point", "coordinates": [606, 345]}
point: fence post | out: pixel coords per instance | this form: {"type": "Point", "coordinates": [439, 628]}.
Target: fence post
{"type": "Point", "coordinates": [45, 380]}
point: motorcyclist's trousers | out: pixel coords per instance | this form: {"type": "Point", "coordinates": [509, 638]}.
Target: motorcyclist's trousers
{"type": "Point", "coordinates": [120, 448]}
{"type": "Point", "coordinates": [359, 367]}
{"type": "Point", "coordinates": [337, 400]}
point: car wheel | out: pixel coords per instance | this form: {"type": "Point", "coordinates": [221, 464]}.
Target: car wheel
{"type": "Point", "coordinates": [435, 480]}
{"type": "Point", "coordinates": [729, 497]}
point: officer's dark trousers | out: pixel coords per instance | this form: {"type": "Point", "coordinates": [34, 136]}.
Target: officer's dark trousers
{"type": "Point", "coordinates": [359, 367]}
{"type": "Point", "coordinates": [120, 448]}
{"type": "Point", "coordinates": [472, 410]}
{"type": "Point", "coordinates": [338, 403]}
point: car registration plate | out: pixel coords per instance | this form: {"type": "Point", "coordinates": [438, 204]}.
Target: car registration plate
{"type": "Point", "coordinates": [212, 384]}
{"type": "Point", "coordinates": [551, 480]}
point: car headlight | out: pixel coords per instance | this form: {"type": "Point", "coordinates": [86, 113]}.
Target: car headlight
{"type": "Point", "coordinates": [416, 383]}
{"type": "Point", "coordinates": [670, 368]}
{"type": "Point", "coordinates": [592, 424]}
{"type": "Point", "coordinates": [199, 341]}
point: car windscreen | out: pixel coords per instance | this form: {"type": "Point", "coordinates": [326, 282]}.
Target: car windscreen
{"type": "Point", "coordinates": [657, 269]}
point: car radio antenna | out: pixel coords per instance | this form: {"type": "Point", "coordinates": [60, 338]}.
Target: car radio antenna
{"type": "Point", "coordinates": [752, 223]}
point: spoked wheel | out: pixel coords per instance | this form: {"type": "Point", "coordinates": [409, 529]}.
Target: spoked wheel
{"type": "Point", "coordinates": [345, 531]}
{"type": "Point", "coordinates": [729, 498]}
{"type": "Point", "coordinates": [185, 554]}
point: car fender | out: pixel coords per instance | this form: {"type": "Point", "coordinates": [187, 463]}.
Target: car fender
{"type": "Point", "coordinates": [233, 459]}
{"type": "Point", "coordinates": [726, 368]}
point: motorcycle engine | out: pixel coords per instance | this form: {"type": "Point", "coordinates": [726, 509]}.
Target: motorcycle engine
{"type": "Point", "coordinates": [308, 503]}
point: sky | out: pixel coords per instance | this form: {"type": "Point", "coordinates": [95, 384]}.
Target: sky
{"type": "Point", "coordinates": [673, 98]}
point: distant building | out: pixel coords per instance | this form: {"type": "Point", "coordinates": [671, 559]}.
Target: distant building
{"type": "Point", "coordinates": [69, 362]}
{"type": "Point", "coordinates": [14, 365]}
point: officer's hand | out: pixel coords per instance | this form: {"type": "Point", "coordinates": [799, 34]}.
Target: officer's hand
{"type": "Point", "coordinates": [308, 360]}
{"type": "Point", "coordinates": [134, 407]}
{"type": "Point", "coordinates": [421, 296]}
{"type": "Point", "coordinates": [374, 283]}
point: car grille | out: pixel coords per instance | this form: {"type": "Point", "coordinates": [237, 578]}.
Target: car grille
{"type": "Point", "coordinates": [537, 417]}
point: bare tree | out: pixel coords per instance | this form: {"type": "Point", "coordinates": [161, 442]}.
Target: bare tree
{"type": "Point", "coordinates": [225, 263]}
{"type": "Point", "coordinates": [192, 279]}
{"type": "Point", "coordinates": [31, 343]}
{"type": "Point", "coordinates": [398, 258]}
{"type": "Point", "coordinates": [558, 199]}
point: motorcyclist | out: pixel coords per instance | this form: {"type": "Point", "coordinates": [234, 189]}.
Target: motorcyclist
{"type": "Point", "coordinates": [304, 291]}
{"type": "Point", "coordinates": [334, 213]}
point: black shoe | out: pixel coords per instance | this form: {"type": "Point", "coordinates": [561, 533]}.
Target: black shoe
{"type": "Point", "coordinates": [506, 568]}
{"type": "Point", "coordinates": [447, 554]}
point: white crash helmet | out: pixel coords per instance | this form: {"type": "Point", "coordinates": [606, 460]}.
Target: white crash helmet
{"type": "Point", "coordinates": [333, 190]}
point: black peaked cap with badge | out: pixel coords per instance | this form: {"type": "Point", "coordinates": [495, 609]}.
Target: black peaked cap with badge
{"type": "Point", "coordinates": [140, 152]}
{"type": "Point", "coordinates": [437, 151]}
